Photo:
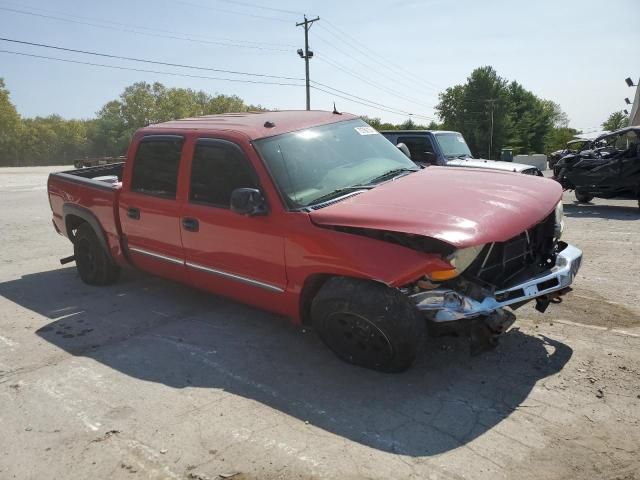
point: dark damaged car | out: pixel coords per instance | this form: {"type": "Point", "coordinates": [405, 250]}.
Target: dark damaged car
{"type": "Point", "coordinates": [610, 169]}
{"type": "Point", "coordinates": [571, 148]}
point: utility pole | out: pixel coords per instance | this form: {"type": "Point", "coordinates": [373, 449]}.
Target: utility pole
{"type": "Point", "coordinates": [492, 102]}
{"type": "Point", "coordinates": [306, 54]}
{"type": "Point", "coordinates": [491, 134]}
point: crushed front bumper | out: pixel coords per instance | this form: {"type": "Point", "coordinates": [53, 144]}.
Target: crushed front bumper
{"type": "Point", "coordinates": [445, 305]}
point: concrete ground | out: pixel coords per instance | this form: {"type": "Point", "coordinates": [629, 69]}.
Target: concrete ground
{"type": "Point", "coordinates": [149, 379]}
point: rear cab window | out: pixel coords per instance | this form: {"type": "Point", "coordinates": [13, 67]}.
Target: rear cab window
{"type": "Point", "coordinates": [217, 169]}
{"type": "Point", "coordinates": [418, 146]}
{"type": "Point", "coordinates": [156, 165]}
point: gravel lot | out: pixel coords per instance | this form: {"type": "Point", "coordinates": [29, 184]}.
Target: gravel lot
{"type": "Point", "coordinates": [149, 379]}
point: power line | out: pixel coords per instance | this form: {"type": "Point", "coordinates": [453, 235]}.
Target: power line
{"type": "Point", "coordinates": [345, 96]}
{"type": "Point", "coordinates": [368, 66]}
{"type": "Point", "coordinates": [244, 14]}
{"type": "Point", "coordinates": [387, 62]}
{"type": "Point", "coordinates": [132, 29]}
{"type": "Point", "coordinates": [175, 74]}
{"type": "Point", "coordinates": [253, 5]}
{"type": "Point", "coordinates": [178, 65]}
{"type": "Point", "coordinates": [368, 101]}
{"type": "Point", "coordinates": [341, 94]}
{"type": "Point", "coordinates": [352, 73]}
{"type": "Point", "coordinates": [389, 110]}
{"type": "Point", "coordinates": [20, 8]}
{"type": "Point", "coordinates": [155, 62]}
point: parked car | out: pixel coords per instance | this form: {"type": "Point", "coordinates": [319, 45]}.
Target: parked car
{"type": "Point", "coordinates": [571, 148]}
{"type": "Point", "coordinates": [316, 216]}
{"type": "Point", "coordinates": [448, 149]}
{"type": "Point", "coordinates": [611, 168]}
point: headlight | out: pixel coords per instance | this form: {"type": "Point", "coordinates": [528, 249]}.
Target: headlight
{"type": "Point", "coordinates": [558, 227]}
{"type": "Point", "coordinates": [459, 260]}
{"type": "Point", "coordinates": [464, 257]}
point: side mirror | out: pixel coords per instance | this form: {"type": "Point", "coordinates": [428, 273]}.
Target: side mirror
{"type": "Point", "coordinates": [404, 149]}
{"type": "Point", "coordinates": [248, 201]}
{"type": "Point", "coordinates": [430, 157]}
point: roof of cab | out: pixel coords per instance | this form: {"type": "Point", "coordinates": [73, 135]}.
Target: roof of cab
{"type": "Point", "coordinates": [253, 124]}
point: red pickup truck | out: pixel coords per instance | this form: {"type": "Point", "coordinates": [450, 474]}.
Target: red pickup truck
{"type": "Point", "coordinates": [316, 216]}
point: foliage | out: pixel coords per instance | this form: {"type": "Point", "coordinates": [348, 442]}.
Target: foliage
{"type": "Point", "coordinates": [557, 138]}
{"type": "Point", "coordinates": [616, 121]}
{"type": "Point", "coordinates": [9, 127]}
{"type": "Point", "coordinates": [492, 113]}
{"type": "Point", "coordinates": [520, 120]}
{"type": "Point", "coordinates": [53, 140]}
{"type": "Point", "coordinates": [406, 125]}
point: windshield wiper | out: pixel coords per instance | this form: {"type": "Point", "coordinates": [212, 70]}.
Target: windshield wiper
{"type": "Point", "coordinates": [336, 193]}
{"type": "Point", "coordinates": [391, 174]}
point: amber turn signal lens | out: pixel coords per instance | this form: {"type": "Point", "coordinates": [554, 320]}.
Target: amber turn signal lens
{"type": "Point", "coordinates": [442, 275]}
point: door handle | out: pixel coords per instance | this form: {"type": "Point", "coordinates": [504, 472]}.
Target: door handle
{"type": "Point", "coordinates": [190, 224]}
{"type": "Point", "coordinates": [133, 213]}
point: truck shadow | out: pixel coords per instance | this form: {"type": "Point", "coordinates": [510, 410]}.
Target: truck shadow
{"type": "Point", "coordinates": [612, 212]}
{"type": "Point", "coordinates": [157, 331]}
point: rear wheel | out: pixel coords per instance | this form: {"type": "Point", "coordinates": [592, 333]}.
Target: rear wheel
{"type": "Point", "coordinates": [94, 265]}
{"type": "Point", "coordinates": [368, 324]}
{"type": "Point", "coordinates": [583, 197]}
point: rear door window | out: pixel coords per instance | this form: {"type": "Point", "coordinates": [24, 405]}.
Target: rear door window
{"type": "Point", "coordinates": [418, 146]}
{"type": "Point", "coordinates": [155, 167]}
{"type": "Point", "coordinates": [218, 168]}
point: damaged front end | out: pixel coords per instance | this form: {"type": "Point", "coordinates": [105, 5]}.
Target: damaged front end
{"type": "Point", "coordinates": [533, 266]}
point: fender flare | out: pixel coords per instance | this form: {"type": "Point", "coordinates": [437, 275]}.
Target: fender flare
{"type": "Point", "coordinates": [87, 216]}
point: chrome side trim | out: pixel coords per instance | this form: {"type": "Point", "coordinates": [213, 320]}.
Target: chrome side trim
{"type": "Point", "coordinates": [159, 256]}
{"type": "Point", "coordinates": [233, 276]}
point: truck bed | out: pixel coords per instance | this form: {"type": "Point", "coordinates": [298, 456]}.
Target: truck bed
{"type": "Point", "coordinates": [88, 194]}
{"type": "Point", "coordinates": [87, 176]}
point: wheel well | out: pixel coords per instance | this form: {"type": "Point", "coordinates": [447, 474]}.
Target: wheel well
{"type": "Point", "coordinates": [72, 222]}
{"type": "Point", "coordinates": [311, 286]}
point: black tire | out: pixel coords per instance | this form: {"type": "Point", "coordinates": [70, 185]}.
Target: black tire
{"type": "Point", "coordinates": [368, 324]}
{"type": "Point", "coordinates": [583, 197]}
{"type": "Point", "coordinates": [94, 264]}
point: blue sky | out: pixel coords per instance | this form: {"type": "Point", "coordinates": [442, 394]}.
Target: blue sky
{"type": "Point", "coordinates": [576, 53]}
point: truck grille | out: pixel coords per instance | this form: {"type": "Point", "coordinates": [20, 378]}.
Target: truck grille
{"type": "Point", "coordinates": [503, 263]}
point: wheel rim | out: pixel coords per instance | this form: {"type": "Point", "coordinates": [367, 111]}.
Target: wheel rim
{"type": "Point", "coordinates": [85, 258]}
{"type": "Point", "coordinates": [357, 339]}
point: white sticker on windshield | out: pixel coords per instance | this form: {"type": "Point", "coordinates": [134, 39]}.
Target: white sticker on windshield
{"type": "Point", "coordinates": [460, 138]}
{"type": "Point", "coordinates": [366, 130]}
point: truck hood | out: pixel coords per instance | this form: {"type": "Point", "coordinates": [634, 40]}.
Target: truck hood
{"type": "Point", "coordinates": [490, 164]}
{"type": "Point", "coordinates": [463, 207]}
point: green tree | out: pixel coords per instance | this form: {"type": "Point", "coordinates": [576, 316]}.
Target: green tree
{"type": "Point", "coordinates": [532, 119]}
{"type": "Point", "coordinates": [557, 138]}
{"type": "Point", "coordinates": [51, 140]}
{"type": "Point", "coordinates": [616, 121]}
{"type": "Point", "coordinates": [9, 128]}
{"type": "Point", "coordinates": [479, 109]}
{"type": "Point", "coordinates": [492, 113]}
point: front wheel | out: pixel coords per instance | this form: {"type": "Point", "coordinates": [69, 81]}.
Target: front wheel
{"type": "Point", "coordinates": [368, 324]}
{"type": "Point", "coordinates": [583, 197]}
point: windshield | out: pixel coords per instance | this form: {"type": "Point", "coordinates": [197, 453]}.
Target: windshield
{"type": "Point", "coordinates": [453, 145]}
{"type": "Point", "coordinates": [310, 165]}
